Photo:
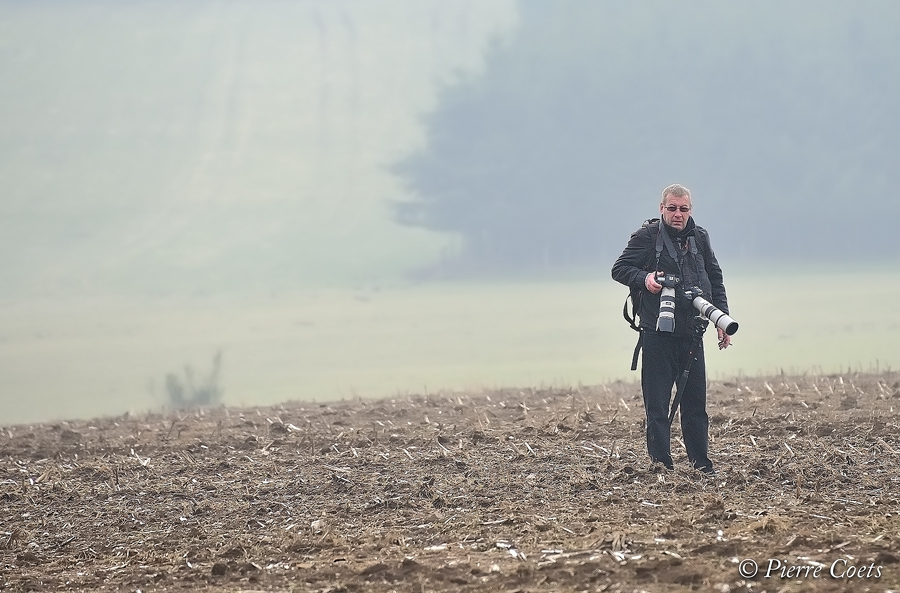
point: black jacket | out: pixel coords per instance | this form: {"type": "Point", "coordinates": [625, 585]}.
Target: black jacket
{"type": "Point", "coordinates": [700, 268]}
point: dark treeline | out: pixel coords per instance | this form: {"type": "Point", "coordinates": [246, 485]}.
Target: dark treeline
{"type": "Point", "coordinates": [782, 118]}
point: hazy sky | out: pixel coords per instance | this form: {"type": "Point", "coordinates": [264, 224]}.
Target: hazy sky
{"type": "Point", "coordinates": [169, 146]}
{"type": "Point", "coordinates": [240, 160]}
{"type": "Point", "coordinates": [780, 117]}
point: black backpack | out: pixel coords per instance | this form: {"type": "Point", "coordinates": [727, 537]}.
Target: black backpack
{"type": "Point", "coordinates": [635, 294]}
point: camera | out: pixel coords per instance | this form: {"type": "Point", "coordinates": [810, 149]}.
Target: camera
{"type": "Point", "coordinates": [665, 322]}
{"type": "Point", "coordinates": [706, 309]}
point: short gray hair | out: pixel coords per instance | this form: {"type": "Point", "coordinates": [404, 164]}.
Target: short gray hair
{"type": "Point", "coordinates": [676, 190]}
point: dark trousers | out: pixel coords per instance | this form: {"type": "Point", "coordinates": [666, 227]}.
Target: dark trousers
{"type": "Point", "coordinates": [665, 357]}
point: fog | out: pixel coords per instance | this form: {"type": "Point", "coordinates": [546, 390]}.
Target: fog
{"type": "Point", "coordinates": [779, 116]}
{"type": "Point", "coordinates": [363, 198]}
{"type": "Point", "coordinates": [175, 147]}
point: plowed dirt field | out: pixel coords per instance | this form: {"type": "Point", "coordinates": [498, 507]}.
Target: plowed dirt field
{"type": "Point", "coordinates": [509, 490]}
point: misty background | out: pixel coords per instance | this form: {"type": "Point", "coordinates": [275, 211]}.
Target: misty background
{"type": "Point", "coordinates": [781, 118]}
{"type": "Point", "coordinates": [368, 197]}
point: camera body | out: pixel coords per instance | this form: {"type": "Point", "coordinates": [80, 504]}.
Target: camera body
{"type": "Point", "coordinates": [665, 321]}
{"type": "Point", "coordinates": [667, 280]}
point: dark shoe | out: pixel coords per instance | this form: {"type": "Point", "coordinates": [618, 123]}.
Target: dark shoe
{"type": "Point", "coordinates": [658, 467]}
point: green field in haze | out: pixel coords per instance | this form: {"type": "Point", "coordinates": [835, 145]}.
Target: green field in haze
{"type": "Point", "coordinates": [66, 359]}
{"type": "Point", "coordinates": [218, 165]}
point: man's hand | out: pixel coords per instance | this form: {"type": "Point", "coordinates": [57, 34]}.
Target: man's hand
{"type": "Point", "coordinates": [724, 339]}
{"type": "Point", "coordinates": [651, 284]}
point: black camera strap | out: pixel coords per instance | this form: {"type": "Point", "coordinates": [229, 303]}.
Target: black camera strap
{"type": "Point", "coordinates": [659, 243]}
{"type": "Point", "coordinates": [664, 238]}
{"type": "Point", "coordinates": [693, 353]}
{"type": "Point", "coordinates": [680, 257]}
{"type": "Point", "coordinates": [663, 241]}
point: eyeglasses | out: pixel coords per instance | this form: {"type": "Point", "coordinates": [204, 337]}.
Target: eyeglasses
{"type": "Point", "coordinates": [675, 208]}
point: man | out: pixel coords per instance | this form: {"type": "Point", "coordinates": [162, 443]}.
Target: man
{"type": "Point", "coordinates": [684, 251]}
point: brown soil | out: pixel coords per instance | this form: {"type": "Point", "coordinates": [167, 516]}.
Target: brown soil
{"type": "Point", "coordinates": [507, 491]}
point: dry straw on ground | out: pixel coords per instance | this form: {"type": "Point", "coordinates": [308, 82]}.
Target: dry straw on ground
{"type": "Point", "coordinates": [511, 490]}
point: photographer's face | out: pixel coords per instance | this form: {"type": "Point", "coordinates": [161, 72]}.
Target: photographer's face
{"type": "Point", "coordinates": [675, 218]}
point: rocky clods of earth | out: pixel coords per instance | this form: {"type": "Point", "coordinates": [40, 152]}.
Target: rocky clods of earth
{"type": "Point", "coordinates": [506, 490]}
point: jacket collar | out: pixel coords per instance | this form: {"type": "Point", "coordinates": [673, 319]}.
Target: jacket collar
{"type": "Point", "coordinates": [688, 231]}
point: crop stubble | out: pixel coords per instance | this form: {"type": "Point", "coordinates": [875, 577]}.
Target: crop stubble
{"type": "Point", "coordinates": [509, 490]}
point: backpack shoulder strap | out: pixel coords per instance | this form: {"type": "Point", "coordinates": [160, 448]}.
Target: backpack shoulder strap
{"type": "Point", "coordinates": [634, 295]}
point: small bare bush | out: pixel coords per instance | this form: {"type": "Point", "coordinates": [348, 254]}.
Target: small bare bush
{"type": "Point", "coordinates": [190, 394]}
